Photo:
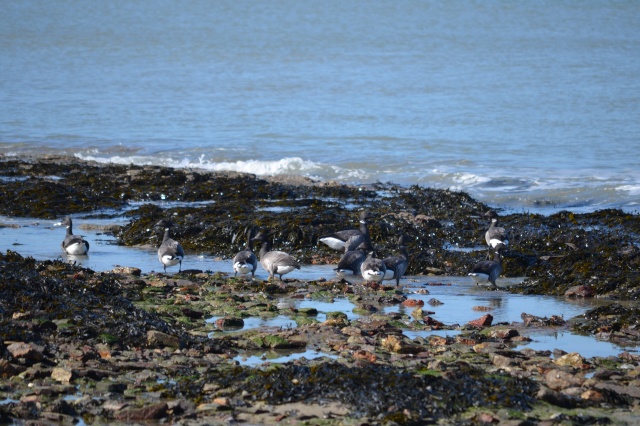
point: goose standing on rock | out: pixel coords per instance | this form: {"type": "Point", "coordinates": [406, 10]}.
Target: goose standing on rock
{"type": "Point", "coordinates": [246, 261]}
{"type": "Point", "coordinates": [397, 265]}
{"type": "Point", "coordinates": [170, 252]}
{"type": "Point", "coordinates": [495, 235]}
{"type": "Point", "coordinates": [355, 237]}
{"type": "Point", "coordinates": [73, 244]}
{"type": "Point", "coordinates": [274, 262]}
{"type": "Point", "coordinates": [373, 269]}
{"type": "Point", "coordinates": [487, 271]}
{"type": "Point", "coordinates": [351, 260]}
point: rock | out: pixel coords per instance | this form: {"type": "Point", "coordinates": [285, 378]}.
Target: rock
{"type": "Point", "coordinates": [483, 321]}
{"type": "Point", "coordinates": [504, 334]}
{"type": "Point", "coordinates": [127, 270]}
{"type": "Point", "coordinates": [158, 339]}
{"type": "Point", "coordinates": [580, 291]}
{"type": "Point", "coordinates": [438, 341]}
{"type": "Point", "coordinates": [435, 302]}
{"type": "Point", "coordinates": [558, 379]}
{"type": "Point", "coordinates": [573, 359]}
{"type": "Point", "coordinates": [61, 374]}
{"type": "Point", "coordinates": [150, 412]}
{"type": "Point", "coordinates": [29, 351]}
{"type": "Point", "coordinates": [502, 361]}
{"type": "Point", "coordinates": [432, 322]}
{"type": "Point", "coordinates": [632, 391]}
{"type": "Point", "coordinates": [412, 303]}
{"type": "Point", "coordinates": [364, 355]}
{"type": "Point", "coordinates": [7, 369]}
{"type": "Point", "coordinates": [229, 323]}
{"type": "Point", "coordinates": [397, 345]}
{"type": "Point", "coordinates": [487, 347]}
{"type": "Point", "coordinates": [592, 395]}
{"type": "Point", "coordinates": [530, 320]}
{"type": "Point", "coordinates": [556, 398]}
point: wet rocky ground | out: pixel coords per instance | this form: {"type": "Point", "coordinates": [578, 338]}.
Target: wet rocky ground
{"type": "Point", "coordinates": [120, 347]}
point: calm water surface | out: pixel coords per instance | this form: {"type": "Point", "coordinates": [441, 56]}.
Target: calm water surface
{"type": "Point", "coordinates": [526, 105]}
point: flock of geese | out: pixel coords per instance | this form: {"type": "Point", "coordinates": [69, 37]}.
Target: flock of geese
{"type": "Point", "coordinates": [358, 257]}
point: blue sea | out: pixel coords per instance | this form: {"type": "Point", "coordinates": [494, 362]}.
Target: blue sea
{"type": "Point", "coordinates": [526, 105]}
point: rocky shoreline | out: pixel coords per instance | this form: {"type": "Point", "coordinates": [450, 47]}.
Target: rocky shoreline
{"type": "Point", "coordinates": [121, 347]}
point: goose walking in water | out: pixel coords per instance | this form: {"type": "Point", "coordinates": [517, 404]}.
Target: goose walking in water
{"type": "Point", "coordinates": [73, 244]}
{"type": "Point", "coordinates": [354, 237]}
{"type": "Point", "coordinates": [373, 269]}
{"type": "Point", "coordinates": [274, 262]}
{"type": "Point", "coordinates": [397, 265]}
{"type": "Point", "coordinates": [170, 252]}
{"type": "Point", "coordinates": [487, 271]}
{"type": "Point", "coordinates": [246, 261]}
{"type": "Point", "coordinates": [495, 235]}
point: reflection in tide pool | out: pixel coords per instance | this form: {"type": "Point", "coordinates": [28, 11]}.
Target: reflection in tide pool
{"type": "Point", "coordinates": [280, 356]}
{"type": "Point", "coordinates": [587, 346]}
{"type": "Point", "coordinates": [459, 296]}
{"type": "Point", "coordinates": [251, 323]}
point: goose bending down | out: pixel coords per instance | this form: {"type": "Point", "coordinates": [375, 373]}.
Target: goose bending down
{"type": "Point", "coordinates": [274, 262]}
{"type": "Point", "coordinates": [495, 235]}
{"type": "Point", "coordinates": [355, 237]}
{"type": "Point", "coordinates": [246, 261]}
{"type": "Point", "coordinates": [397, 265]}
{"type": "Point", "coordinates": [351, 260]}
{"type": "Point", "coordinates": [487, 271]}
{"type": "Point", "coordinates": [73, 244]}
{"type": "Point", "coordinates": [170, 252]}
{"type": "Point", "coordinates": [373, 269]}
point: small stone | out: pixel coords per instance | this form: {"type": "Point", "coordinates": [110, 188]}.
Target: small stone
{"type": "Point", "coordinates": [61, 374]}
{"type": "Point", "coordinates": [504, 334]}
{"type": "Point", "coordinates": [432, 322]}
{"type": "Point", "coordinates": [26, 350]}
{"type": "Point", "coordinates": [151, 412]}
{"type": "Point", "coordinates": [573, 359]}
{"type": "Point", "coordinates": [438, 341]}
{"type": "Point", "coordinates": [558, 380]}
{"type": "Point", "coordinates": [412, 303]}
{"type": "Point", "coordinates": [364, 355]}
{"type": "Point", "coordinates": [127, 270]}
{"type": "Point", "coordinates": [502, 361]}
{"type": "Point", "coordinates": [579, 291]}
{"type": "Point", "coordinates": [592, 395]}
{"type": "Point", "coordinates": [158, 339]}
{"type": "Point", "coordinates": [483, 321]}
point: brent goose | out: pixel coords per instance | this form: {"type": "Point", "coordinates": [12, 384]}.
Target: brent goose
{"type": "Point", "coordinates": [373, 269]}
{"type": "Point", "coordinates": [274, 262]}
{"type": "Point", "coordinates": [337, 240]}
{"type": "Point", "coordinates": [73, 244]}
{"type": "Point", "coordinates": [170, 252]}
{"type": "Point", "coordinates": [246, 261]}
{"type": "Point", "coordinates": [397, 265]}
{"type": "Point", "coordinates": [351, 260]}
{"type": "Point", "coordinates": [487, 271]}
{"type": "Point", "coordinates": [495, 235]}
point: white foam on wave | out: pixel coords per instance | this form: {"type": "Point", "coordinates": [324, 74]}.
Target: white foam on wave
{"type": "Point", "coordinates": [284, 166]}
{"type": "Point", "coordinates": [632, 189]}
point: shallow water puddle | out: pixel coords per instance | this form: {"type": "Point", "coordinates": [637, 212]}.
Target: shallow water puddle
{"type": "Point", "coordinates": [251, 323]}
{"type": "Point", "coordinates": [279, 356]}
{"type": "Point", "coordinates": [41, 240]}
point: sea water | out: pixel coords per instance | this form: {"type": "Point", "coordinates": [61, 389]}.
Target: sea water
{"type": "Point", "coordinates": [528, 106]}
